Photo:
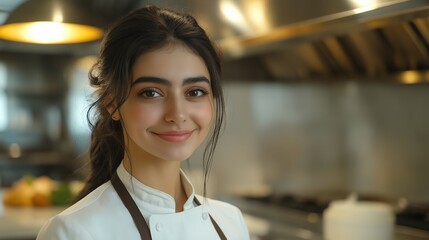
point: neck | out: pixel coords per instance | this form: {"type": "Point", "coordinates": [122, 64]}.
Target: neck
{"type": "Point", "coordinates": [161, 175]}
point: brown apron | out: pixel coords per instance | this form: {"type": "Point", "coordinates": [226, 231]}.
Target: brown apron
{"type": "Point", "coordinates": [138, 218]}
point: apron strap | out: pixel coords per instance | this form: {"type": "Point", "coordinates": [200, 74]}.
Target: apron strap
{"type": "Point", "coordinates": [138, 218]}
{"type": "Point", "coordinates": [129, 203]}
{"type": "Point", "coordinates": [215, 225]}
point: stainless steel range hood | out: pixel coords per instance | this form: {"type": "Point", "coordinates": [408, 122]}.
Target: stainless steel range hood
{"type": "Point", "coordinates": [291, 40]}
{"type": "Point", "coordinates": [332, 39]}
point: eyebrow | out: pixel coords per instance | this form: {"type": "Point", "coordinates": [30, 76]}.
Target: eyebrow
{"type": "Point", "coordinates": [166, 82]}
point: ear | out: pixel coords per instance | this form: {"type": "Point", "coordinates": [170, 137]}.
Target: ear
{"type": "Point", "coordinates": [115, 115]}
{"type": "Point", "coordinates": [113, 111]}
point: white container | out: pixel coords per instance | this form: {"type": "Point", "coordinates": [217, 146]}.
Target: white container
{"type": "Point", "coordinates": [353, 220]}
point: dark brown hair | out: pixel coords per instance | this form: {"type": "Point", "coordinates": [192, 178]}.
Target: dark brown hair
{"type": "Point", "coordinates": [140, 31]}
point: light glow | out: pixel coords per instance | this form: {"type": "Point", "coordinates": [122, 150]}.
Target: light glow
{"type": "Point", "coordinates": [231, 12]}
{"type": "Point", "coordinates": [15, 150]}
{"type": "Point", "coordinates": [58, 14]}
{"type": "Point", "coordinates": [257, 10]}
{"type": "Point", "coordinates": [49, 32]}
{"type": "Point", "coordinates": [361, 6]}
{"type": "Point", "coordinates": [412, 77]}
{"type": "Point", "coordinates": [233, 15]}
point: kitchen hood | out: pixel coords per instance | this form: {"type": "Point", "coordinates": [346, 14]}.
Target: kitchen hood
{"type": "Point", "coordinates": [290, 40]}
{"type": "Point", "coordinates": [312, 40]}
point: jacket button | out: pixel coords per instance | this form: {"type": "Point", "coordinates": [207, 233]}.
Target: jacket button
{"type": "Point", "coordinates": [205, 216]}
{"type": "Point", "coordinates": [158, 227]}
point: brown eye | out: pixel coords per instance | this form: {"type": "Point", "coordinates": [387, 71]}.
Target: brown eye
{"type": "Point", "coordinates": [197, 93]}
{"type": "Point", "coordinates": [149, 93]}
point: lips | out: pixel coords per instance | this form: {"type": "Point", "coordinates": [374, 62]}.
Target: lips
{"type": "Point", "coordinates": [174, 136]}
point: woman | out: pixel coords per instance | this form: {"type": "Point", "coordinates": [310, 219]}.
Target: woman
{"type": "Point", "coordinates": [159, 97]}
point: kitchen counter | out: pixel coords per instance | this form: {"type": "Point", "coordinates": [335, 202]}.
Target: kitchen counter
{"type": "Point", "coordinates": [24, 222]}
{"type": "Point", "coordinates": [270, 222]}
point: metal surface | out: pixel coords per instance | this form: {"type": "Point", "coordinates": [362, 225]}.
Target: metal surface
{"type": "Point", "coordinates": [290, 223]}
{"type": "Point", "coordinates": [326, 39]}
{"type": "Point", "coordinates": [291, 40]}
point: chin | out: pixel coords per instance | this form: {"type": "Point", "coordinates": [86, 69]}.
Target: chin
{"type": "Point", "coordinates": [177, 157]}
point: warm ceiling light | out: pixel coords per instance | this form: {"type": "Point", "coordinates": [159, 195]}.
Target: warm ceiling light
{"type": "Point", "coordinates": [50, 22]}
{"type": "Point", "coordinates": [49, 32]}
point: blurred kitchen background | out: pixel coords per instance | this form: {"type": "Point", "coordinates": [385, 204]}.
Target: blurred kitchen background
{"type": "Point", "coordinates": [324, 99]}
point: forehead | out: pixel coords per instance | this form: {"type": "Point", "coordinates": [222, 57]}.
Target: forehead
{"type": "Point", "coordinates": [174, 62]}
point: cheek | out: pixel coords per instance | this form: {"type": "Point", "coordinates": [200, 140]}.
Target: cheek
{"type": "Point", "coordinates": [140, 115]}
{"type": "Point", "coordinates": [204, 115]}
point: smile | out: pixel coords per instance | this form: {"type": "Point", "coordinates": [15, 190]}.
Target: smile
{"type": "Point", "coordinates": [175, 136]}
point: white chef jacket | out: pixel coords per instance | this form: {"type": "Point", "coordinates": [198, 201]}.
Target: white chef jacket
{"type": "Point", "coordinates": [102, 215]}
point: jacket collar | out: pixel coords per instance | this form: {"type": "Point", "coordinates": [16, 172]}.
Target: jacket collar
{"type": "Point", "coordinates": [153, 200]}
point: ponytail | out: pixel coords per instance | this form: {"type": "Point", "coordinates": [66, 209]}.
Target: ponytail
{"type": "Point", "coordinates": [106, 148]}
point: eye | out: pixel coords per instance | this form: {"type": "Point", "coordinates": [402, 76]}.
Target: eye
{"type": "Point", "coordinates": [150, 93]}
{"type": "Point", "coordinates": [197, 93]}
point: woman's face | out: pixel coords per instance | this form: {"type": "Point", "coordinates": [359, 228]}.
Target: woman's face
{"type": "Point", "coordinates": [169, 111]}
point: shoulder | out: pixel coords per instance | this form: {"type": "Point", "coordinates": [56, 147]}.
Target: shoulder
{"type": "Point", "coordinates": [83, 219]}
{"type": "Point", "coordinates": [90, 201]}
{"type": "Point", "coordinates": [228, 216]}
{"type": "Point", "coordinates": [63, 228]}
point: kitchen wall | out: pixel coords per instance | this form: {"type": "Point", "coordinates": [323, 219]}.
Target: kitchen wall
{"type": "Point", "coordinates": [317, 138]}
{"type": "Point", "coordinates": [33, 128]}
{"type": "Point", "coordinates": [301, 138]}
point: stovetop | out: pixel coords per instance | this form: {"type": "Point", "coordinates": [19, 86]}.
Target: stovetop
{"type": "Point", "coordinates": [298, 217]}
{"type": "Point", "coordinates": [407, 214]}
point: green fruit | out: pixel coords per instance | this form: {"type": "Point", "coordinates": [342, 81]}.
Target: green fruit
{"type": "Point", "coordinates": [29, 179]}
{"type": "Point", "coordinates": [62, 195]}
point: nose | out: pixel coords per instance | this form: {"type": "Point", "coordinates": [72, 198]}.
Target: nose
{"type": "Point", "coordinates": [176, 111]}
